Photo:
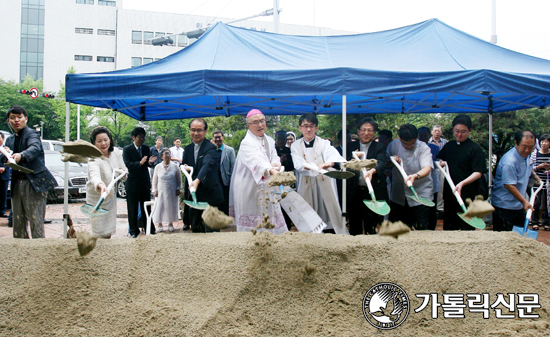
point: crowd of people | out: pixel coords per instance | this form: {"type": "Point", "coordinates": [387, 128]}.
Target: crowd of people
{"type": "Point", "coordinates": [237, 185]}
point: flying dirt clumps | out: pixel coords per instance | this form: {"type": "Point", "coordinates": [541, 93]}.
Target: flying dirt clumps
{"type": "Point", "coordinates": [75, 158]}
{"type": "Point", "coordinates": [357, 165]}
{"type": "Point", "coordinates": [85, 242]}
{"type": "Point", "coordinates": [82, 148]}
{"type": "Point", "coordinates": [478, 208]}
{"type": "Point", "coordinates": [266, 223]}
{"type": "Point", "coordinates": [216, 219]}
{"type": "Point", "coordinates": [284, 178]}
{"type": "Point", "coordinates": [393, 229]}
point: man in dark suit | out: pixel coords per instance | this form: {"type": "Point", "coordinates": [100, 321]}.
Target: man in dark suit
{"type": "Point", "coordinates": [226, 157]}
{"type": "Point", "coordinates": [359, 214]}
{"type": "Point", "coordinates": [202, 156]}
{"type": "Point", "coordinates": [137, 159]}
{"type": "Point", "coordinates": [29, 190]}
{"type": "Point", "coordinates": [4, 182]}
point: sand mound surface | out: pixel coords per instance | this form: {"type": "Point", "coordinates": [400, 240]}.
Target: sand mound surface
{"type": "Point", "coordinates": [239, 284]}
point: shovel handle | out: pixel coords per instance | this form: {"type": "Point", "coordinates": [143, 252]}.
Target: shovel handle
{"type": "Point", "coordinates": [402, 170]}
{"type": "Point", "coordinates": [451, 184]}
{"type": "Point", "coordinates": [7, 155]}
{"type": "Point", "coordinates": [311, 167]}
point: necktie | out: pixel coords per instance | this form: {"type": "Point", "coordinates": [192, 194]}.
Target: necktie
{"type": "Point", "coordinates": [139, 150]}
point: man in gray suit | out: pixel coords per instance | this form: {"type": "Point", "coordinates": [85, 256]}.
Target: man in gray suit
{"type": "Point", "coordinates": [226, 156]}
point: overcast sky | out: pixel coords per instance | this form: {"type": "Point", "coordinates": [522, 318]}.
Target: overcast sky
{"type": "Point", "coordinates": [523, 26]}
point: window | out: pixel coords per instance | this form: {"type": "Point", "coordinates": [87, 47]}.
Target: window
{"type": "Point", "coordinates": [82, 58]}
{"type": "Point", "coordinates": [105, 59]}
{"type": "Point", "coordinates": [147, 60]}
{"type": "Point", "coordinates": [106, 3]}
{"type": "Point", "coordinates": [84, 30]}
{"type": "Point", "coordinates": [86, 2]}
{"type": "Point", "coordinates": [183, 40]}
{"type": "Point", "coordinates": [157, 34]}
{"type": "Point", "coordinates": [136, 61]}
{"type": "Point", "coordinates": [147, 36]}
{"type": "Point", "coordinates": [136, 36]}
{"type": "Point", "coordinates": [105, 32]}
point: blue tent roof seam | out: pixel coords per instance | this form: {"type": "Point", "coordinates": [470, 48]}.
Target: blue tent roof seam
{"type": "Point", "coordinates": [427, 67]}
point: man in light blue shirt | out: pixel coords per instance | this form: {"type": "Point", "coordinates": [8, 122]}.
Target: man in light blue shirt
{"type": "Point", "coordinates": [511, 179]}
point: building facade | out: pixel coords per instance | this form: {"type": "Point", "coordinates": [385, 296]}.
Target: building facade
{"type": "Point", "coordinates": [45, 38]}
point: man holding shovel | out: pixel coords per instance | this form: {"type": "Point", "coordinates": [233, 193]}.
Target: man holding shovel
{"type": "Point", "coordinates": [416, 158]}
{"type": "Point", "coordinates": [249, 196]}
{"type": "Point", "coordinates": [201, 155]}
{"type": "Point", "coordinates": [511, 179]}
{"type": "Point", "coordinates": [319, 191]}
{"type": "Point", "coordinates": [29, 191]}
{"type": "Point", "coordinates": [359, 214]}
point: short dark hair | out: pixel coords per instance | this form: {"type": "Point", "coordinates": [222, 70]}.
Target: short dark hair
{"type": "Point", "coordinates": [464, 120]}
{"type": "Point", "coordinates": [176, 139]}
{"type": "Point", "coordinates": [99, 130]}
{"type": "Point", "coordinates": [216, 132]}
{"type": "Point", "coordinates": [407, 132]}
{"type": "Point", "coordinates": [200, 120]}
{"type": "Point", "coordinates": [544, 137]}
{"type": "Point", "coordinates": [138, 130]}
{"type": "Point", "coordinates": [308, 117]}
{"type": "Point", "coordinates": [519, 135]}
{"type": "Point", "coordinates": [424, 129]}
{"type": "Point", "coordinates": [158, 137]}
{"type": "Point", "coordinates": [281, 131]}
{"type": "Point", "coordinates": [16, 110]}
{"type": "Point", "coordinates": [367, 120]}
{"type": "Point", "coordinates": [386, 133]}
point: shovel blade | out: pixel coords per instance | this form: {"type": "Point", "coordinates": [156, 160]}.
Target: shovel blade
{"type": "Point", "coordinates": [340, 174]}
{"type": "Point", "coordinates": [378, 207]}
{"type": "Point", "coordinates": [197, 205]}
{"type": "Point", "coordinates": [474, 222]}
{"type": "Point", "coordinates": [529, 233]}
{"type": "Point", "coordinates": [421, 200]}
{"type": "Point", "coordinates": [89, 210]}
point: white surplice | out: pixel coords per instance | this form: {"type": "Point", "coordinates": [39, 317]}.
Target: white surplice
{"type": "Point", "coordinates": [318, 190]}
{"type": "Point", "coordinates": [101, 170]}
{"type": "Point", "coordinates": [249, 195]}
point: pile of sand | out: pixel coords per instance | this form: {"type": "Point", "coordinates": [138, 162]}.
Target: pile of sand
{"type": "Point", "coordinates": [239, 284]}
{"type": "Point", "coordinates": [478, 208]}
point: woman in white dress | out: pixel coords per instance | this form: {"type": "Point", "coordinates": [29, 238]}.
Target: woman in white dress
{"type": "Point", "coordinates": [100, 174]}
{"type": "Point", "coordinates": [166, 189]}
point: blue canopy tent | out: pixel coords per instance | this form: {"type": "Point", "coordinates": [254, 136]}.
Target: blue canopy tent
{"type": "Point", "coordinates": [428, 67]}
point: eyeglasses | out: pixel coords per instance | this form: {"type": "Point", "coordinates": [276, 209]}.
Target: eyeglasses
{"type": "Point", "coordinates": [308, 126]}
{"type": "Point", "coordinates": [196, 130]}
{"type": "Point", "coordinates": [366, 130]}
{"type": "Point", "coordinates": [256, 123]}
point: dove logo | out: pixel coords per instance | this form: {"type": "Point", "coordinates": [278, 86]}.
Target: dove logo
{"type": "Point", "coordinates": [386, 306]}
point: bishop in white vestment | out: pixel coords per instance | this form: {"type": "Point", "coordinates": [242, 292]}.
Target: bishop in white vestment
{"type": "Point", "coordinates": [249, 196]}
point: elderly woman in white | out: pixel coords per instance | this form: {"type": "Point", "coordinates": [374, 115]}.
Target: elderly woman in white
{"type": "Point", "coordinates": [166, 188]}
{"type": "Point", "coordinates": [100, 174]}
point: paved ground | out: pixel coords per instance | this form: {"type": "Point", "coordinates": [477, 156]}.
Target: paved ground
{"type": "Point", "coordinates": [81, 222]}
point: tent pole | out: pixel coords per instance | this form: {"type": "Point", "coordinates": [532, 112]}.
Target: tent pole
{"type": "Point", "coordinates": [344, 154]}
{"type": "Point", "coordinates": [66, 176]}
{"type": "Point", "coordinates": [490, 153]}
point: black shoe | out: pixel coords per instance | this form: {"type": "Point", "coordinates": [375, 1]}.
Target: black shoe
{"type": "Point", "coordinates": [186, 227]}
{"type": "Point", "coordinates": [10, 224]}
{"type": "Point", "coordinates": [47, 221]}
{"type": "Point", "coordinates": [3, 215]}
{"type": "Point", "coordinates": [133, 236]}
